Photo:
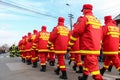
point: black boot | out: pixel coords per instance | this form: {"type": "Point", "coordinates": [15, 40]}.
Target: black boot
{"type": "Point", "coordinates": [117, 79]}
{"type": "Point", "coordinates": [64, 75]}
{"type": "Point", "coordinates": [57, 71]}
{"type": "Point", "coordinates": [52, 63]}
{"type": "Point", "coordinates": [43, 69]}
{"type": "Point", "coordinates": [84, 77]}
{"type": "Point", "coordinates": [29, 62]}
{"type": "Point", "coordinates": [102, 71]}
{"type": "Point", "coordinates": [69, 62]}
{"type": "Point", "coordinates": [110, 68]}
{"type": "Point", "coordinates": [74, 67]}
{"type": "Point", "coordinates": [80, 70]}
{"type": "Point", "coordinates": [23, 60]}
{"type": "Point", "coordinates": [34, 64]}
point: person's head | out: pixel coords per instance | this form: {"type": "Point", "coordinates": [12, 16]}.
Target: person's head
{"type": "Point", "coordinates": [61, 20]}
{"type": "Point", "coordinates": [107, 18]}
{"type": "Point", "coordinates": [35, 31]}
{"type": "Point", "coordinates": [29, 33]}
{"type": "Point", "coordinates": [87, 8]}
{"type": "Point", "coordinates": [43, 28]}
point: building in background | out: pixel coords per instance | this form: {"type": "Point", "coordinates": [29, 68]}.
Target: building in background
{"type": "Point", "coordinates": [117, 19]}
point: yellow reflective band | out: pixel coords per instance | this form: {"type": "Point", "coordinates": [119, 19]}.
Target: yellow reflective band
{"type": "Point", "coordinates": [89, 52]}
{"type": "Point", "coordinates": [33, 58]}
{"type": "Point", "coordinates": [75, 51]}
{"type": "Point", "coordinates": [115, 52]}
{"type": "Point", "coordinates": [115, 36]}
{"type": "Point", "coordinates": [70, 43]}
{"type": "Point", "coordinates": [34, 44]}
{"type": "Point", "coordinates": [28, 56]}
{"type": "Point", "coordinates": [23, 57]}
{"type": "Point", "coordinates": [49, 42]}
{"type": "Point", "coordinates": [73, 38]}
{"type": "Point", "coordinates": [43, 50]}
{"type": "Point", "coordinates": [57, 52]}
{"type": "Point", "coordinates": [95, 72]}
{"type": "Point", "coordinates": [33, 47]}
{"type": "Point", "coordinates": [105, 66]}
{"type": "Point", "coordinates": [118, 68]}
{"type": "Point", "coordinates": [72, 59]}
{"type": "Point", "coordinates": [62, 66]}
{"type": "Point", "coordinates": [85, 69]}
{"type": "Point", "coordinates": [69, 48]}
{"type": "Point", "coordinates": [80, 63]}
{"type": "Point", "coordinates": [115, 33]}
{"type": "Point", "coordinates": [118, 51]}
{"type": "Point", "coordinates": [94, 23]}
{"type": "Point", "coordinates": [42, 63]}
{"type": "Point", "coordinates": [28, 50]}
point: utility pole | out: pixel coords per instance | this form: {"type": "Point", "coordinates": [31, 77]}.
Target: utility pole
{"type": "Point", "coordinates": [70, 15]}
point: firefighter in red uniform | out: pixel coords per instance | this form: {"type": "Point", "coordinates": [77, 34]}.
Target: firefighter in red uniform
{"type": "Point", "coordinates": [59, 37]}
{"type": "Point", "coordinates": [34, 54]}
{"type": "Point", "coordinates": [22, 48]}
{"type": "Point", "coordinates": [76, 56]}
{"type": "Point", "coordinates": [28, 48]}
{"type": "Point", "coordinates": [110, 44]}
{"type": "Point", "coordinates": [52, 56]}
{"type": "Point", "coordinates": [88, 28]}
{"type": "Point", "coordinates": [42, 40]}
{"type": "Point", "coordinates": [111, 65]}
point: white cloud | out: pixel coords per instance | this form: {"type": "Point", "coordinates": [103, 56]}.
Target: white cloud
{"type": "Point", "coordinates": [8, 36]}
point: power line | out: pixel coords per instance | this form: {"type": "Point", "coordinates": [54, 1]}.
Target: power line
{"type": "Point", "coordinates": [22, 8]}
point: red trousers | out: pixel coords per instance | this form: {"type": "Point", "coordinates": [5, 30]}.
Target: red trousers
{"type": "Point", "coordinates": [28, 55]}
{"type": "Point", "coordinates": [91, 66]}
{"type": "Point", "coordinates": [78, 60]}
{"type": "Point", "coordinates": [61, 61]}
{"type": "Point", "coordinates": [52, 56]}
{"type": "Point", "coordinates": [43, 58]}
{"type": "Point", "coordinates": [34, 56]}
{"type": "Point", "coordinates": [115, 60]}
{"type": "Point", "coordinates": [72, 56]}
{"type": "Point", "coordinates": [76, 57]}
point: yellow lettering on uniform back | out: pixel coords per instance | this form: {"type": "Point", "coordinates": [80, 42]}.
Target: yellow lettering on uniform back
{"type": "Point", "coordinates": [94, 22]}
{"type": "Point", "coordinates": [44, 36]}
{"type": "Point", "coordinates": [113, 31]}
{"type": "Point", "coordinates": [63, 31]}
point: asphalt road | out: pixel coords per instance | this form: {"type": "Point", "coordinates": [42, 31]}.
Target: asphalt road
{"type": "Point", "coordinates": [14, 69]}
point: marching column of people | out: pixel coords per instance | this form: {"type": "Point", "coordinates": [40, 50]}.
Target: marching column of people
{"type": "Point", "coordinates": [84, 40]}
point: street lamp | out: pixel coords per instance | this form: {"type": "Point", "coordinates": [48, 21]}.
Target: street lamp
{"type": "Point", "coordinates": [70, 15]}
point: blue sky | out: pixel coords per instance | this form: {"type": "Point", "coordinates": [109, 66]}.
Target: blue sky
{"type": "Point", "coordinates": [14, 22]}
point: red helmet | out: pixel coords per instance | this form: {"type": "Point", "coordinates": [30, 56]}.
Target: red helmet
{"type": "Point", "coordinates": [29, 33]}
{"type": "Point", "coordinates": [35, 31]}
{"type": "Point", "coordinates": [107, 18]}
{"type": "Point", "coordinates": [61, 19]}
{"type": "Point", "coordinates": [87, 6]}
{"type": "Point", "coordinates": [43, 28]}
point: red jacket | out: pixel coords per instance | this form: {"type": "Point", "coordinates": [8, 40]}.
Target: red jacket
{"type": "Point", "coordinates": [42, 39]}
{"type": "Point", "coordinates": [28, 46]}
{"type": "Point", "coordinates": [88, 28]}
{"type": "Point", "coordinates": [59, 37]}
{"type": "Point", "coordinates": [110, 38]}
